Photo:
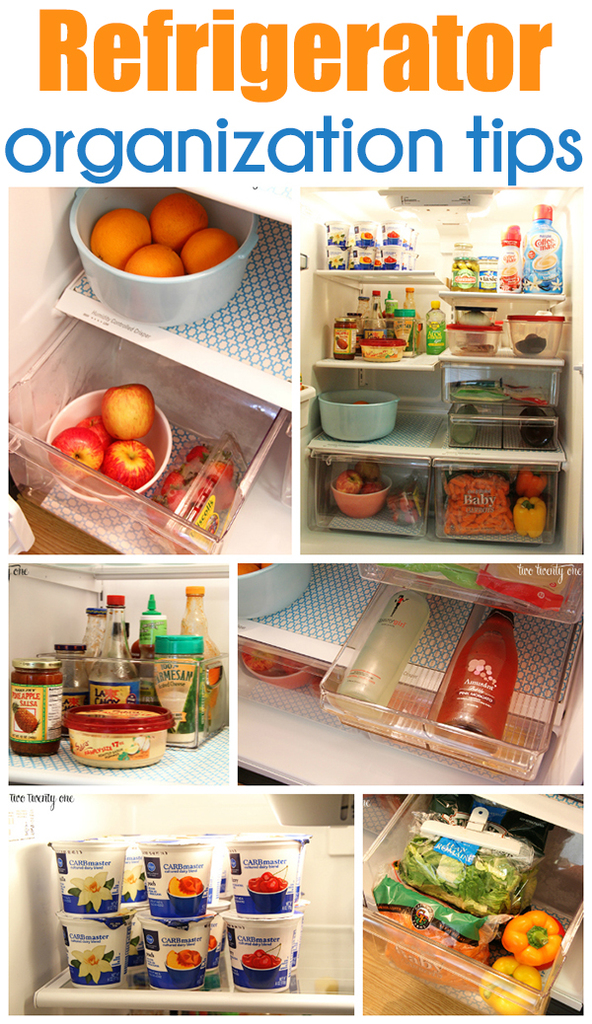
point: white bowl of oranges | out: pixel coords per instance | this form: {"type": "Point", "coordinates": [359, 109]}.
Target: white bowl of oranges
{"type": "Point", "coordinates": [161, 256]}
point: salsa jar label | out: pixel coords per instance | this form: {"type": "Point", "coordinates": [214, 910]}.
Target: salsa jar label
{"type": "Point", "coordinates": [35, 713]}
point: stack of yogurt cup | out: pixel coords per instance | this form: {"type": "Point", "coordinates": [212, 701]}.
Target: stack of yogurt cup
{"type": "Point", "coordinates": [263, 932]}
{"type": "Point", "coordinates": [183, 928]}
{"type": "Point", "coordinates": [101, 888]}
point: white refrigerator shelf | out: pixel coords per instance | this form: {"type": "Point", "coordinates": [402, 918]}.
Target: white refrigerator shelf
{"type": "Point", "coordinates": [323, 984]}
{"type": "Point", "coordinates": [208, 765]}
{"type": "Point", "coordinates": [247, 344]}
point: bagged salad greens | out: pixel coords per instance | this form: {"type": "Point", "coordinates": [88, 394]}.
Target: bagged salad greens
{"type": "Point", "coordinates": [477, 880]}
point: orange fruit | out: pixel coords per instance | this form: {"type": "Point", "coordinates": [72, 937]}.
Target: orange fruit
{"type": "Point", "coordinates": [175, 218]}
{"type": "Point", "coordinates": [155, 261]}
{"type": "Point", "coordinates": [206, 249]}
{"type": "Point", "coordinates": [245, 567]}
{"type": "Point", "coordinates": [117, 234]}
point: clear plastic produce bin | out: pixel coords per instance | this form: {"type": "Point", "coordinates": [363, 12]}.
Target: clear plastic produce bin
{"type": "Point", "coordinates": [478, 380]}
{"type": "Point", "coordinates": [504, 426]}
{"type": "Point", "coordinates": [547, 654]}
{"type": "Point", "coordinates": [198, 408]}
{"type": "Point", "coordinates": [406, 505]}
{"type": "Point", "coordinates": [559, 892]}
{"type": "Point", "coordinates": [476, 501]}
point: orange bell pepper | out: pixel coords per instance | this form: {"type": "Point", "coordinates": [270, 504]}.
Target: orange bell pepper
{"type": "Point", "coordinates": [533, 938]}
{"type": "Point", "coordinates": [530, 484]}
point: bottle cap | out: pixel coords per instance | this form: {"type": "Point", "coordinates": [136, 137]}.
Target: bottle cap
{"type": "Point", "coordinates": [503, 611]}
{"type": "Point", "coordinates": [512, 234]}
{"type": "Point", "coordinates": [69, 648]}
{"type": "Point", "coordinates": [178, 644]}
{"type": "Point", "coordinates": [151, 609]}
{"type": "Point", "coordinates": [116, 600]}
{"type": "Point", "coordinates": [376, 292]}
{"type": "Point", "coordinates": [542, 213]}
{"type": "Point", "coordinates": [96, 611]}
{"type": "Point", "coordinates": [195, 591]}
{"type": "Point", "coordinates": [435, 304]}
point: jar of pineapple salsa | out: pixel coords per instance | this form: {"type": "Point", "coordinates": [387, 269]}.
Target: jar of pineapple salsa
{"type": "Point", "coordinates": [35, 706]}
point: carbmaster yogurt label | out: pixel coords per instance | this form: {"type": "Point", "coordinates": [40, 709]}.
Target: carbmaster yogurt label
{"type": "Point", "coordinates": [91, 876]}
{"type": "Point", "coordinates": [261, 950]}
{"type": "Point", "coordinates": [97, 948]}
{"type": "Point", "coordinates": [265, 874]}
{"type": "Point", "coordinates": [177, 877]}
{"type": "Point", "coordinates": [176, 952]}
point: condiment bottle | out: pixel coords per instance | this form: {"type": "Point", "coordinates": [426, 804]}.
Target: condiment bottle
{"type": "Point", "coordinates": [177, 686]}
{"type": "Point", "coordinates": [435, 329]}
{"type": "Point", "coordinates": [74, 677]}
{"type": "Point", "coordinates": [465, 269]}
{"type": "Point", "coordinates": [94, 634]}
{"type": "Point", "coordinates": [374, 325]}
{"type": "Point", "coordinates": [480, 687]}
{"type": "Point", "coordinates": [385, 655]}
{"type": "Point", "coordinates": [509, 270]}
{"type": "Point", "coordinates": [113, 678]}
{"type": "Point", "coordinates": [409, 303]}
{"type": "Point", "coordinates": [194, 621]}
{"type": "Point", "coordinates": [152, 624]}
{"type": "Point", "coordinates": [35, 706]}
{"type": "Point", "coordinates": [543, 254]}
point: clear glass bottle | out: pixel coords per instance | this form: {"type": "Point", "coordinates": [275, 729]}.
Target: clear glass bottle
{"type": "Point", "coordinates": [75, 677]}
{"type": "Point", "coordinates": [465, 269]}
{"type": "Point", "coordinates": [94, 634]}
{"type": "Point", "coordinates": [195, 623]}
{"type": "Point", "coordinates": [385, 655]}
{"type": "Point", "coordinates": [412, 344]}
{"type": "Point", "coordinates": [374, 325]}
{"type": "Point", "coordinates": [114, 677]}
{"type": "Point", "coordinates": [483, 677]}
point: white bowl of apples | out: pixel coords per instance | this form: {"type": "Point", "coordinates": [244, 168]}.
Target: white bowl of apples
{"type": "Point", "coordinates": [362, 491]}
{"type": "Point", "coordinates": [118, 432]}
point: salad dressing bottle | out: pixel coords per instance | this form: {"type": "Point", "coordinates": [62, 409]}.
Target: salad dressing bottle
{"type": "Point", "coordinates": [385, 655]}
{"type": "Point", "coordinates": [481, 685]}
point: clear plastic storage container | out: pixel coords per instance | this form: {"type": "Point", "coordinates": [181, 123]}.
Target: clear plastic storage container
{"type": "Point", "coordinates": [504, 426]}
{"type": "Point", "coordinates": [541, 685]}
{"type": "Point", "coordinates": [473, 339]}
{"type": "Point", "coordinates": [497, 501]}
{"type": "Point", "coordinates": [476, 380]}
{"type": "Point", "coordinates": [198, 408]}
{"type": "Point", "coordinates": [559, 892]}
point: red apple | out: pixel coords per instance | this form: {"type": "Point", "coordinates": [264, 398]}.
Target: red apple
{"type": "Point", "coordinates": [96, 423]}
{"type": "Point", "coordinates": [128, 411]}
{"type": "Point", "coordinates": [80, 443]}
{"type": "Point", "coordinates": [349, 482]}
{"type": "Point", "coordinates": [130, 463]}
{"type": "Point", "coordinates": [372, 486]}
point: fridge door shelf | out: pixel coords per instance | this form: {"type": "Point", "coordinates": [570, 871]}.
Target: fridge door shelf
{"type": "Point", "coordinates": [354, 278]}
{"type": "Point", "coordinates": [246, 344]}
{"type": "Point", "coordinates": [326, 952]}
{"type": "Point", "coordinates": [83, 359]}
{"type": "Point", "coordinates": [485, 298]}
{"type": "Point", "coordinates": [559, 891]}
{"type": "Point", "coordinates": [407, 720]}
{"type": "Point", "coordinates": [569, 605]}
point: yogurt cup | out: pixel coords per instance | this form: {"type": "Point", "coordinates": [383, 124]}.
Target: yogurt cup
{"type": "Point", "coordinates": [261, 950]}
{"type": "Point", "coordinates": [134, 882]}
{"type": "Point", "coordinates": [91, 875]}
{"type": "Point", "coordinates": [338, 233]}
{"type": "Point", "coordinates": [265, 872]}
{"type": "Point", "coordinates": [220, 869]}
{"type": "Point", "coordinates": [97, 948]}
{"type": "Point", "coordinates": [299, 913]}
{"type": "Point", "coordinates": [176, 951]}
{"type": "Point", "coordinates": [361, 257]}
{"type": "Point", "coordinates": [336, 258]}
{"type": "Point", "coordinates": [177, 875]}
{"type": "Point", "coordinates": [365, 233]}
{"type": "Point", "coordinates": [217, 933]}
{"type": "Point", "coordinates": [136, 943]}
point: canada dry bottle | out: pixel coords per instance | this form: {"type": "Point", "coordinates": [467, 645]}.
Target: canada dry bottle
{"type": "Point", "coordinates": [480, 688]}
{"type": "Point", "coordinates": [386, 653]}
{"type": "Point", "coordinates": [114, 678]}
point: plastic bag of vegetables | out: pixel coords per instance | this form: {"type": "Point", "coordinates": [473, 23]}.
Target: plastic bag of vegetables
{"type": "Point", "coordinates": [482, 872]}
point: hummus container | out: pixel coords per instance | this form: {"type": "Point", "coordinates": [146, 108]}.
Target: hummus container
{"type": "Point", "coordinates": [176, 951]}
{"type": "Point", "coordinates": [261, 951]}
{"type": "Point", "coordinates": [91, 875]}
{"type": "Point", "coordinates": [177, 876]}
{"type": "Point", "coordinates": [383, 350]}
{"type": "Point", "coordinates": [97, 948]}
{"type": "Point", "coordinates": [122, 736]}
{"type": "Point", "coordinates": [265, 872]}
{"type": "Point", "coordinates": [163, 301]}
{"type": "Point", "coordinates": [217, 933]}
{"type": "Point", "coordinates": [358, 415]}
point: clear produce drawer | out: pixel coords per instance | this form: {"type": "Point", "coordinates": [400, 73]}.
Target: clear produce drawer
{"type": "Point", "coordinates": [547, 659]}
{"type": "Point", "coordinates": [198, 408]}
{"type": "Point", "coordinates": [500, 380]}
{"type": "Point", "coordinates": [559, 892]}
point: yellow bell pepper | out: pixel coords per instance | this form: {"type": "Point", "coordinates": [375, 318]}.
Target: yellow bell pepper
{"type": "Point", "coordinates": [505, 1001]}
{"type": "Point", "coordinates": [530, 516]}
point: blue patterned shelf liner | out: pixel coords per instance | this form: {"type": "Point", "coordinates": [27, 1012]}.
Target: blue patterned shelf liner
{"type": "Point", "coordinates": [335, 600]}
{"type": "Point", "coordinates": [206, 766]}
{"type": "Point", "coordinates": [412, 429]}
{"type": "Point", "coordinates": [255, 327]}
{"type": "Point", "coordinates": [103, 522]}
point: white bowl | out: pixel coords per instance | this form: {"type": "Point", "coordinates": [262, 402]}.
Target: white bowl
{"type": "Point", "coordinates": [159, 440]}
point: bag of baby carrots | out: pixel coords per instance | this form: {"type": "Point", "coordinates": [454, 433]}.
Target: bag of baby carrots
{"type": "Point", "coordinates": [477, 503]}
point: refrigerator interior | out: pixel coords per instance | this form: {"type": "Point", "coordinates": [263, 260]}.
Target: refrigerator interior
{"type": "Point", "coordinates": [421, 382]}
{"type": "Point", "coordinates": [312, 739]}
{"type": "Point", "coordinates": [388, 825]}
{"type": "Point", "coordinates": [47, 605]}
{"type": "Point", "coordinates": [231, 372]}
{"type": "Point", "coordinates": [39, 976]}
